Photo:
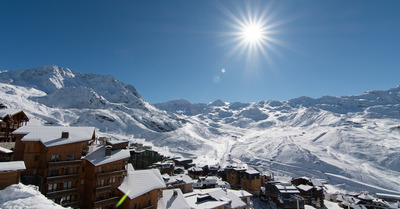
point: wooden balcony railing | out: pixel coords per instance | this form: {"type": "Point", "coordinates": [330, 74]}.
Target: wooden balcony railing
{"type": "Point", "coordinates": [63, 164]}
{"type": "Point", "coordinates": [62, 178]}
{"type": "Point", "coordinates": [74, 204]}
{"type": "Point", "coordinates": [103, 189]}
{"type": "Point", "coordinates": [105, 202]}
{"type": "Point", "coordinates": [62, 193]}
{"type": "Point", "coordinates": [110, 174]}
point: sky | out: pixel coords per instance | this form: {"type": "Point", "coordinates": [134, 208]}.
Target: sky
{"type": "Point", "coordinates": [201, 51]}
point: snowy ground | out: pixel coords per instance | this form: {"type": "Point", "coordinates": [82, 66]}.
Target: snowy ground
{"type": "Point", "coordinates": [22, 196]}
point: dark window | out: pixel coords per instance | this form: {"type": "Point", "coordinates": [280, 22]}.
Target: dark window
{"type": "Point", "coordinates": [36, 158]}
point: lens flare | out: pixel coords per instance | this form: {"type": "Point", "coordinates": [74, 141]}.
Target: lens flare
{"type": "Point", "coordinates": [122, 199]}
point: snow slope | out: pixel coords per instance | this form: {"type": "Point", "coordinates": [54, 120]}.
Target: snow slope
{"type": "Point", "coordinates": [351, 141]}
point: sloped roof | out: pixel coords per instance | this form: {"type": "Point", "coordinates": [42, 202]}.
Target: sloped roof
{"type": "Point", "coordinates": [139, 182]}
{"type": "Point", "coordinates": [5, 150]}
{"type": "Point", "coordinates": [171, 201]}
{"type": "Point", "coordinates": [51, 135]}
{"type": "Point", "coordinates": [12, 166]}
{"type": "Point", "coordinates": [304, 187]}
{"type": "Point", "coordinates": [98, 157]}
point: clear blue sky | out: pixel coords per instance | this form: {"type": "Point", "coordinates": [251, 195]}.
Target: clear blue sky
{"type": "Point", "coordinates": [177, 49]}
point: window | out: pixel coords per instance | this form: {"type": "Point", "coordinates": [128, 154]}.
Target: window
{"type": "Point", "coordinates": [67, 184]}
{"type": "Point", "coordinates": [100, 183]}
{"type": "Point", "coordinates": [51, 187]}
{"type": "Point", "coordinates": [70, 156]}
{"type": "Point", "coordinates": [136, 206]}
{"type": "Point", "coordinates": [55, 158]}
{"type": "Point", "coordinates": [69, 171]}
{"type": "Point", "coordinates": [82, 181]}
{"type": "Point", "coordinates": [54, 172]}
{"type": "Point", "coordinates": [113, 167]}
{"type": "Point", "coordinates": [112, 180]}
{"type": "Point", "coordinates": [100, 196]}
{"type": "Point", "coordinates": [36, 158]}
{"type": "Point", "coordinates": [101, 169]}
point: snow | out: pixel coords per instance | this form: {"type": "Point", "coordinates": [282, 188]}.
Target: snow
{"type": "Point", "coordinates": [5, 150]}
{"type": "Point", "coordinates": [351, 141]}
{"type": "Point", "coordinates": [23, 196]}
{"type": "Point", "coordinates": [98, 157]}
{"type": "Point", "coordinates": [171, 201]}
{"type": "Point", "coordinates": [51, 136]}
{"type": "Point", "coordinates": [12, 166]}
{"type": "Point", "coordinates": [304, 187]}
{"type": "Point", "coordinates": [139, 182]}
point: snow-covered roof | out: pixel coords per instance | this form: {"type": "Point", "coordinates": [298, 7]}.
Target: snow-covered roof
{"type": "Point", "coordinates": [5, 150]}
{"type": "Point", "coordinates": [240, 193]}
{"type": "Point", "coordinates": [4, 112]}
{"type": "Point", "coordinates": [25, 196]}
{"type": "Point", "coordinates": [316, 182]}
{"type": "Point", "coordinates": [195, 169]}
{"type": "Point", "coordinates": [252, 171]}
{"type": "Point", "coordinates": [115, 142]}
{"type": "Point", "coordinates": [140, 182]}
{"type": "Point", "coordinates": [365, 197]}
{"type": "Point", "coordinates": [51, 135]}
{"type": "Point", "coordinates": [98, 156]}
{"type": "Point", "coordinates": [219, 197]}
{"type": "Point", "coordinates": [287, 188]}
{"type": "Point", "coordinates": [183, 159]}
{"type": "Point", "coordinates": [232, 198]}
{"type": "Point", "coordinates": [12, 166]}
{"type": "Point", "coordinates": [304, 187]}
{"type": "Point", "coordinates": [206, 204]}
{"type": "Point", "coordinates": [173, 199]}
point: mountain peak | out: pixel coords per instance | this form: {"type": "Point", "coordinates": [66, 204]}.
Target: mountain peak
{"type": "Point", "coordinates": [217, 103]}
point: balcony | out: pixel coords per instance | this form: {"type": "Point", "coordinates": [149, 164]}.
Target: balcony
{"type": "Point", "coordinates": [63, 164]}
{"type": "Point", "coordinates": [74, 204]}
{"type": "Point", "coordinates": [106, 202]}
{"type": "Point", "coordinates": [110, 174]}
{"type": "Point", "coordinates": [62, 193]}
{"type": "Point", "coordinates": [103, 189]}
{"type": "Point", "coordinates": [62, 178]}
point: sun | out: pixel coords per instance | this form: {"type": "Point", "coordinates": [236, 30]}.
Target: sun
{"type": "Point", "coordinates": [252, 33]}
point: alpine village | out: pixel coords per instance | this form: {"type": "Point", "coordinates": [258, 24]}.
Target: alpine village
{"type": "Point", "coordinates": [74, 167]}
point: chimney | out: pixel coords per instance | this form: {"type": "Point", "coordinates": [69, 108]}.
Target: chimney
{"type": "Point", "coordinates": [65, 135]}
{"type": "Point", "coordinates": [108, 150]}
{"type": "Point", "coordinates": [175, 193]}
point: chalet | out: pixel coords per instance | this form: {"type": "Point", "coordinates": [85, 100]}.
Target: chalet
{"type": "Point", "coordinates": [173, 199]}
{"type": "Point", "coordinates": [218, 198]}
{"type": "Point", "coordinates": [10, 173]}
{"type": "Point", "coordinates": [243, 178]}
{"type": "Point", "coordinates": [143, 158]}
{"type": "Point", "coordinates": [285, 195]}
{"type": "Point", "coordinates": [167, 167]}
{"type": "Point", "coordinates": [210, 182]}
{"type": "Point", "coordinates": [10, 120]}
{"type": "Point", "coordinates": [181, 181]}
{"type": "Point", "coordinates": [250, 181]}
{"type": "Point", "coordinates": [312, 194]}
{"type": "Point", "coordinates": [142, 188]}
{"type": "Point", "coordinates": [104, 172]}
{"type": "Point", "coordinates": [185, 162]}
{"type": "Point", "coordinates": [195, 172]}
{"type": "Point", "coordinates": [52, 156]}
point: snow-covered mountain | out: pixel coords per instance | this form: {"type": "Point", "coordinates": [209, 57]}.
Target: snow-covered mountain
{"type": "Point", "coordinates": [351, 141]}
